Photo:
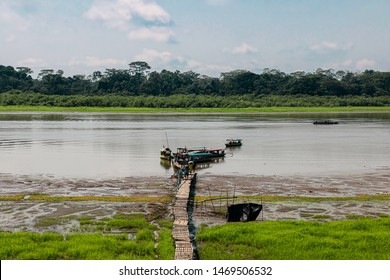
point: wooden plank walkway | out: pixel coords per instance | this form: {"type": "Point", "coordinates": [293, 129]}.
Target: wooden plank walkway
{"type": "Point", "coordinates": [180, 233]}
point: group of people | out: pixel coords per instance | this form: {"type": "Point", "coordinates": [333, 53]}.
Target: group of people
{"type": "Point", "coordinates": [184, 172]}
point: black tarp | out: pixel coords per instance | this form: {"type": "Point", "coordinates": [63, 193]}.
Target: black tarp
{"type": "Point", "coordinates": [243, 212]}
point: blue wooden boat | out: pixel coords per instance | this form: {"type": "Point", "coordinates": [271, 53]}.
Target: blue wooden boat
{"type": "Point", "coordinates": [206, 155]}
{"type": "Point", "coordinates": [197, 155]}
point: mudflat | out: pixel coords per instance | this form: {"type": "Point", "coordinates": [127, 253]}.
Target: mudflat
{"type": "Point", "coordinates": [21, 207]}
{"type": "Point", "coordinates": [330, 197]}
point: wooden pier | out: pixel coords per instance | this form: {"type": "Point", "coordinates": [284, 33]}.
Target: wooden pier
{"type": "Point", "coordinates": [181, 233]}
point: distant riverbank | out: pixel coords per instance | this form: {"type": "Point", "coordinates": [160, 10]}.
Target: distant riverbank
{"type": "Point", "coordinates": [348, 109]}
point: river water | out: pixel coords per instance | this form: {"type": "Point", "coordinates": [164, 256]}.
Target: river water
{"type": "Point", "coordinates": [99, 145]}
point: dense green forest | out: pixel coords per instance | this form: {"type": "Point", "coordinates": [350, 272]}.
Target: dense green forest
{"type": "Point", "coordinates": [138, 86]}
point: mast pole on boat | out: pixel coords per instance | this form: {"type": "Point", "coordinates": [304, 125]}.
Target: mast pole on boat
{"type": "Point", "coordinates": [166, 137]}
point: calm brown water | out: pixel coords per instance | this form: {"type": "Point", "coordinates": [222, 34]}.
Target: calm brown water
{"type": "Point", "coordinates": [118, 145]}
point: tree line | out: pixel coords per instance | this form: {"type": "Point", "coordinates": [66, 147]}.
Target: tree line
{"type": "Point", "coordinates": [139, 86]}
{"type": "Point", "coordinates": [17, 98]}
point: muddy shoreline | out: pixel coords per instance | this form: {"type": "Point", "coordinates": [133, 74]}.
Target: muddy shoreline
{"type": "Point", "coordinates": [27, 214]}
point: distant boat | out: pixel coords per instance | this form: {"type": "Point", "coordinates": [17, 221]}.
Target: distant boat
{"type": "Point", "coordinates": [233, 142]}
{"type": "Point", "coordinates": [325, 122]}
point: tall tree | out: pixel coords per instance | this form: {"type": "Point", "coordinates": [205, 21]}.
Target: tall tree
{"type": "Point", "coordinates": [139, 68]}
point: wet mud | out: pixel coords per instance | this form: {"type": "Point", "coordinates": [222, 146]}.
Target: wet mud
{"type": "Point", "coordinates": [30, 215]}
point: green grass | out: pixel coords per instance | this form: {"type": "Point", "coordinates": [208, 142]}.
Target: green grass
{"type": "Point", "coordinates": [53, 246]}
{"type": "Point", "coordinates": [92, 240]}
{"type": "Point", "coordinates": [193, 110]}
{"type": "Point", "coordinates": [362, 239]}
{"type": "Point", "coordinates": [129, 221]}
{"type": "Point", "coordinates": [124, 222]}
{"type": "Point", "coordinates": [165, 248]}
{"type": "Point", "coordinates": [321, 216]}
{"type": "Point", "coordinates": [52, 221]}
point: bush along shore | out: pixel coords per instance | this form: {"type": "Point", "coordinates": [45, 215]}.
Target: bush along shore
{"type": "Point", "coordinates": [138, 86]}
{"type": "Point", "coordinates": [14, 100]}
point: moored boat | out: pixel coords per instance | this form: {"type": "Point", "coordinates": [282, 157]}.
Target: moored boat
{"type": "Point", "coordinates": [166, 154]}
{"type": "Point", "coordinates": [197, 155]}
{"type": "Point", "coordinates": [206, 155]}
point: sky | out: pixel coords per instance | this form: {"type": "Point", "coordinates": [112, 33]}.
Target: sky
{"type": "Point", "coordinates": [208, 37]}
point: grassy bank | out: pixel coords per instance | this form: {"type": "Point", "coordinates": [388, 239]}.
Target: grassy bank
{"type": "Point", "coordinates": [361, 239]}
{"type": "Point", "coordinates": [194, 110]}
{"type": "Point", "coordinates": [125, 236]}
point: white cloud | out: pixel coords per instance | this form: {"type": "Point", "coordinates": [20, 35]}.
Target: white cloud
{"type": "Point", "coordinates": [141, 19]}
{"type": "Point", "coordinates": [125, 10]}
{"type": "Point", "coordinates": [150, 55]}
{"type": "Point", "coordinates": [149, 11]}
{"type": "Point", "coordinates": [365, 63]}
{"type": "Point", "coordinates": [32, 62]}
{"type": "Point", "coordinates": [162, 60]}
{"type": "Point", "coordinates": [244, 48]}
{"type": "Point", "coordinates": [324, 46]}
{"type": "Point", "coordinates": [12, 19]}
{"type": "Point", "coordinates": [329, 46]}
{"type": "Point", "coordinates": [211, 68]}
{"type": "Point", "coordinates": [166, 60]}
{"type": "Point", "coordinates": [93, 61]}
{"type": "Point", "coordinates": [159, 34]}
{"type": "Point", "coordinates": [347, 63]}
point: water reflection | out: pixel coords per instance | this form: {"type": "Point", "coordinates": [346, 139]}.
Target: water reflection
{"type": "Point", "coordinates": [166, 164]}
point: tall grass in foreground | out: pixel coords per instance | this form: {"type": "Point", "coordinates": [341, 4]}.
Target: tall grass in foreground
{"type": "Point", "coordinates": [85, 246]}
{"type": "Point", "coordinates": [93, 240]}
{"type": "Point", "coordinates": [363, 239]}
{"type": "Point", "coordinates": [165, 249]}
{"type": "Point", "coordinates": [53, 246]}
